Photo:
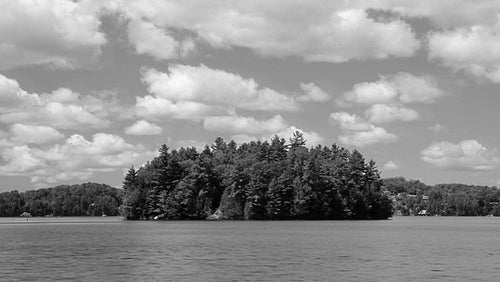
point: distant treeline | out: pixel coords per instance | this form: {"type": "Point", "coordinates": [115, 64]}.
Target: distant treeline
{"type": "Point", "coordinates": [88, 199]}
{"type": "Point", "coordinates": [256, 180]}
{"type": "Point", "coordinates": [412, 196]}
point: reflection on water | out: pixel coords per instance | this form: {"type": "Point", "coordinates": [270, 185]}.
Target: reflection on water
{"type": "Point", "coordinates": [402, 249]}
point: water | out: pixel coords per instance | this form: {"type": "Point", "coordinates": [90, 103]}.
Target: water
{"type": "Point", "coordinates": [109, 249]}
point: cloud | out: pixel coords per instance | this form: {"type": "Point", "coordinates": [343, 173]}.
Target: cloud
{"type": "Point", "coordinates": [157, 108]}
{"type": "Point", "coordinates": [59, 33]}
{"type": "Point", "coordinates": [473, 50]}
{"type": "Point", "coordinates": [357, 132]}
{"type": "Point", "coordinates": [28, 134]}
{"type": "Point", "coordinates": [350, 122]}
{"type": "Point", "coordinates": [442, 14]}
{"type": "Point", "coordinates": [372, 92]}
{"type": "Point", "coordinates": [143, 127]}
{"type": "Point", "coordinates": [328, 32]}
{"type": "Point", "coordinates": [312, 93]}
{"type": "Point", "coordinates": [401, 87]}
{"type": "Point", "coordinates": [76, 158]}
{"type": "Point", "coordinates": [212, 86]}
{"type": "Point", "coordinates": [381, 113]}
{"type": "Point", "coordinates": [416, 89]}
{"type": "Point", "coordinates": [60, 109]}
{"type": "Point", "coordinates": [390, 165]}
{"type": "Point", "coordinates": [436, 128]}
{"type": "Point", "coordinates": [155, 41]}
{"type": "Point", "coordinates": [465, 155]}
{"type": "Point", "coordinates": [364, 138]}
{"type": "Point", "coordinates": [19, 160]}
{"type": "Point", "coordinates": [247, 125]}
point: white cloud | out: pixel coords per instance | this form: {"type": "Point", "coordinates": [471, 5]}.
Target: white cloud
{"type": "Point", "coordinates": [61, 109]}
{"type": "Point", "coordinates": [155, 41]}
{"type": "Point", "coordinates": [19, 159]}
{"type": "Point", "coordinates": [11, 95]}
{"type": "Point", "coordinates": [364, 138]}
{"type": "Point", "coordinates": [372, 92]}
{"type": "Point", "coordinates": [436, 128]}
{"type": "Point", "coordinates": [61, 95]}
{"type": "Point", "coordinates": [357, 132]}
{"type": "Point", "coordinates": [249, 125]}
{"type": "Point", "coordinates": [416, 89]}
{"type": "Point", "coordinates": [390, 165]}
{"type": "Point", "coordinates": [473, 50]}
{"type": "Point", "coordinates": [465, 155]}
{"type": "Point", "coordinates": [212, 86]}
{"type": "Point", "coordinates": [55, 115]}
{"type": "Point", "coordinates": [76, 158]}
{"type": "Point", "coordinates": [381, 113]}
{"type": "Point", "coordinates": [328, 32]}
{"type": "Point", "coordinates": [60, 33]}
{"type": "Point", "coordinates": [350, 122]}
{"type": "Point", "coordinates": [143, 127]}
{"type": "Point", "coordinates": [405, 87]}
{"type": "Point", "coordinates": [28, 134]}
{"type": "Point", "coordinates": [312, 93]}
{"type": "Point", "coordinates": [157, 108]}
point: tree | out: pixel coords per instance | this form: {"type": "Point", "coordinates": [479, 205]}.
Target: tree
{"type": "Point", "coordinates": [297, 140]}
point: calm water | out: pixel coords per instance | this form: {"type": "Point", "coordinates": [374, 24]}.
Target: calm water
{"type": "Point", "coordinates": [109, 249]}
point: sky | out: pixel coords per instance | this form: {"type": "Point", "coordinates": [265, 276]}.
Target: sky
{"type": "Point", "coordinates": [90, 88]}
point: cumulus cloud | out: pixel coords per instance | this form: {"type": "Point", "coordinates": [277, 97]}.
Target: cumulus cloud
{"type": "Point", "coordinates": [465, 155]}
{"type": "Point", "coordinates": [372, 92]}
{"type": "Point", "coordinates": [329, 32]}
{"type": "Point", "coordinates": [381, 113]}
{"type": "Point", "coordinates": [364, 138]}
{"type": "Point", "coordinates": [247, 125]}
{"type": "Point", "coordinates": [76, 158]}
{"type": "Point", "coordinates": [360, 133]}
{"type": "Point", "coordinates": [194, 93]}
{"type": "Point", "coordinates": [402, 87]}
{"type": "Point", "coordinates": [390, 165]}
{"type": "Point", "coordinates": [28, 134]}
{"type": "Point", "coordinates": [157, 108]}
{"type": "Point", "coordinates": [312, 93]}
{"type": "Point", "coordinates": [416, 89]}
{"type": "Point", "coordinates": [473, 50]}
{"type": "Point", "coordinates": [155, 41]}
{"type": "Point", "coordinates": [59, 33]}
{"type": "Point", "coordinates": [60, 109]}
{"type": "Point", "coordinates": [212, 86]}
{"type": "Point", "coordinates": [350, 122]}
{"type": "Point", "coordinates": [143, 127]}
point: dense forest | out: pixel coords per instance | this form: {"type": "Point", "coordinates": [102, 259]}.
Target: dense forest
{"type": "Point", "coordinates": [256, 180]}
{"type": "Point", "coordinates": [411, 197]}
{"type": "Point", "coordinates": [88, 199]}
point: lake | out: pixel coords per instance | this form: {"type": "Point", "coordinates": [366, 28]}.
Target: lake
{"type": "Point", "coordinates": [110, 249]}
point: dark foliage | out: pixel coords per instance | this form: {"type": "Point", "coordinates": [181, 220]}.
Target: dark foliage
{"type": "Point", "coordinates": [412, 196]}
{"type": "Point", "coordinates": [88, 199]}
{"type": "Point", "coordinates": [256, 180]}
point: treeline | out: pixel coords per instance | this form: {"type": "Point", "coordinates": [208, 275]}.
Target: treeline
{"type": "Point", "coordinates": [88, 199]}
{"type": "Point", "coordinates": [256, 180]}
{"type": "Point", "coordinates": [412, 196]}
